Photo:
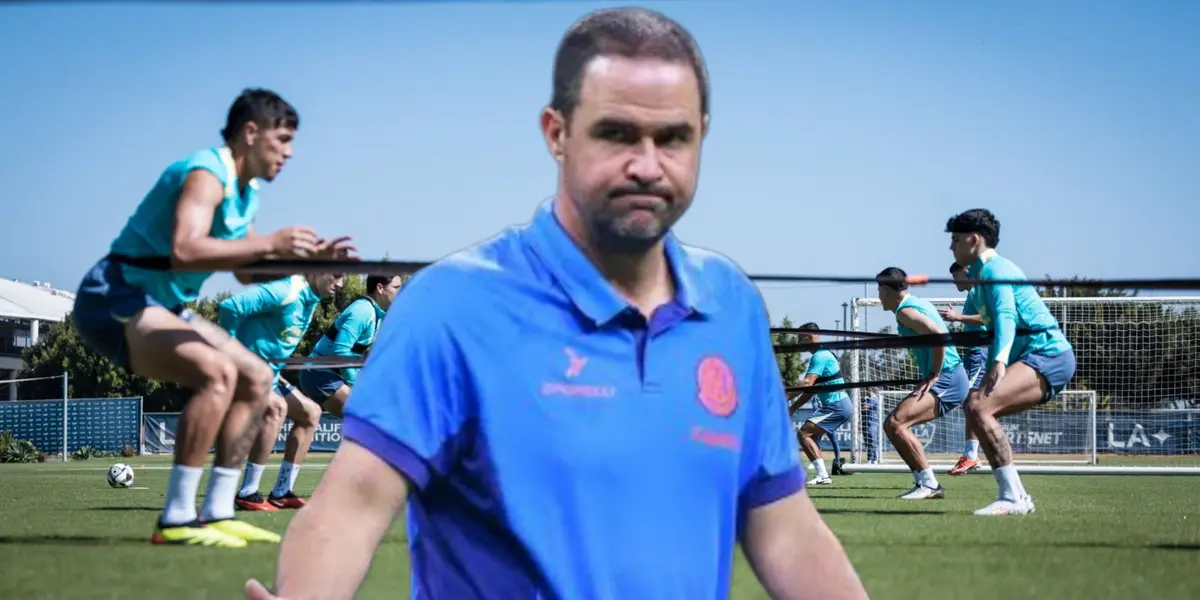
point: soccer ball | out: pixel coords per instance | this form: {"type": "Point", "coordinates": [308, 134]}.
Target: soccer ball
{"type": "Point", "coordinates": [120, 475]}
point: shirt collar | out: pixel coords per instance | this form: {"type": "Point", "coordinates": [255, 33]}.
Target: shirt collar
{"type": "Point", "coordinates": [984, 257]}
{"type": "Point", "coordinates": [587, 288]}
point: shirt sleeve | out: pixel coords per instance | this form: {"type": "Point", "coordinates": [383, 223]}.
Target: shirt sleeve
{"type": "Point", "coordinates": [1002, 307]}
{"type": "Point", "coordinates": [232, 311]}
{"type": "Point", "coordinates": [775, 471]}
{"type": "Point", "coordinates": [208, 160]}
{"type": "Point", "coordinates": [818, 365]}
{"type": "Point", "coordinates": [412, 402]}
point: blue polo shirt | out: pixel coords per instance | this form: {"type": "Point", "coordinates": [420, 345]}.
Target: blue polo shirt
{"type": "Point", "coordinates": [560, 445]}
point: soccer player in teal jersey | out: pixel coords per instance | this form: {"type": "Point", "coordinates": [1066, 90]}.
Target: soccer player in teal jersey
{"type": "Point", "coordinates": [271, 319]}
{"type": "Point", "coordinates": [943, 384]}
{"type": "Point", "coordinates": [1029, 360]}
{"type": "Point", "coordinates": [350, 337]}
{"type": "Point", "coordinates": [581, 407]}
{"type": "Point", "coordinates": [974, 361]}
{"type": "Point", "coordinates": [132, 308]}
{"type": "Point", "coordinates": [833, 408]}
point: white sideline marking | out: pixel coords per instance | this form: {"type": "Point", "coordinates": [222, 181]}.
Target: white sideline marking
{"type": "Point", "coordinates": [53, 469]}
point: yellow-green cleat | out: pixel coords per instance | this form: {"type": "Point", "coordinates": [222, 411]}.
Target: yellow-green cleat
{"type": "Point", "coordinates": [195, 534]}
{"type": "Point", "coordinates": [244, 531]}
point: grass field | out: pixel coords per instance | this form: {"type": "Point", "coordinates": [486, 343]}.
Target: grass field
{"type": "Point", "coordinates": [65, 534]}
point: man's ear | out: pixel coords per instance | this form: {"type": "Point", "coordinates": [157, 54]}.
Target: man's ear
{"type": "Point", "coordinates": [554, 132]}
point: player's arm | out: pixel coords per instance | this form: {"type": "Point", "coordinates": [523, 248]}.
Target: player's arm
{"type": "Point", "coordinates": [793, 553]}
{"type": "Point", "coordinates": [923, 325]}
{"type": "Point", "coordinates": [976, 320]}
{"type": "Point", "coordinates": [257, 300]}
{"type": "Point", "coordinates": [810, 379]}
{"type": "Point", "coordinates": [409, 405]}
{"type": "Point", "coordinates": [350, 330]}
{"type": "Point", "coordinates": [1003, 308]}
{"type": "Point", "coordinates": [192, 246]}
{"type": "Point", "coordinates": [338, 248]}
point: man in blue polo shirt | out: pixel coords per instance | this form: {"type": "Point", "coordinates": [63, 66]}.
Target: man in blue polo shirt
{"type": "Point", "coordinates": [1029, 360]}
{"type": "Point", "coordinates": [833, 409]}
{"type": "Point", "coordinates": [943, 384]}
{"type": "Point", "coordinates": [582, 407]}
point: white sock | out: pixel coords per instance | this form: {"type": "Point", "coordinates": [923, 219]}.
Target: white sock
{"type": "Point", "coordinates": [252, 480]}
{"type": "Point", "coordinates": [286, 480]}
{"type": "Point", "coordinates": [972, 450]}
{"type": "Point", "coordinates": [927, 479]}
{"type": "Point", "coordinates": [819, 465]}
{"type": "Point", "coordinates": [222, 489]}
{"type": "Point", "coordinates": [182, 486]}
{"type": "Point", "coordinates": [1011, 488]}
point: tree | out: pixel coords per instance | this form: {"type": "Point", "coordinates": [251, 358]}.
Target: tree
{"type": "Point", "coordinates": [1134, 355]}
{"type": "Point", "coordinates": [791, 364]}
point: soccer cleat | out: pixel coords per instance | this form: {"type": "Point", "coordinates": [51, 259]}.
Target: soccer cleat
{"type": "Point", "coordinates": [195, 534]}
{"type": "Point", "coordinates": [921, 492]}
{"type": "Point", "coordinates": [1002, 508]}
{"type": "Point", "coordinates": [244, 531]}
{"type": "Point", "coordinates": [253, 502]}
{"type": "Point", "coordinates": [964, 465]}
{"type": "Point", "coordinates": [820, 481]}
{"type": "Point", "coordinates": [288, 500]}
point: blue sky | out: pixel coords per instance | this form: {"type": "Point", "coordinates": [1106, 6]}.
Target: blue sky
{"type": "Point", "coordinates": [844, 134]}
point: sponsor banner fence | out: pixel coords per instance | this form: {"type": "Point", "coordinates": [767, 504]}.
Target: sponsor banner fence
{"type": "Point", "coordinates": [159, 431]}
{"type": "Point", "coordinates": [107, 424]}
{"type": "Point", "coordinates": [1166, 432]}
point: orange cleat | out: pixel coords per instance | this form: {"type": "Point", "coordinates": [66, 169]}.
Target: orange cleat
{"type": "Point", "coordinates": [963, 466]}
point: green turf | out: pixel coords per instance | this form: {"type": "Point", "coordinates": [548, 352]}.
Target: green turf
{"type": "Point", "coordinates": [65, 534]}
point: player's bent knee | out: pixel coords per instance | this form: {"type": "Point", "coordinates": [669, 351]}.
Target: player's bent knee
{"type": "Point", "coordinates": [276, 410]}
{"type": "Point", "coordinates": [258, 380]}
{"type": "Point", "coordinates": [220, 376]}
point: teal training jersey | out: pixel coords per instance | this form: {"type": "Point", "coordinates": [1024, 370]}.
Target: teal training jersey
{"type": "Point", "coordinates": [271, 319]}
{"type": "Point", "coordinates": [355, 327]}
{"type": "Point", "coordinates": [1007, 308]}
{"type": "Point", "coordinates": [824, 364]}
{"type": "Point", "coordinates": [924, 356]}
{"type": "Point", "coordinates": [971, 308]}
{"type": "Point", "coordinates": [149, 231]}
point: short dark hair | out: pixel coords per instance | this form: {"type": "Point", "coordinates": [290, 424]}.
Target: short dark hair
{"type": "Point", "coordinates": [893, 277]}
{"type": "Point", "coordinates": [977, 220]}
{"type": "Point", "coordinates": [810, 326]}
{"type": "Point", "coordinates": [261, 106]}
{"type": "Point", "coordinates": [629, 32]}
{"type": "Point", "coordinates": [374, 281]}
{"type": "Point", "coordinates": [955, 267]}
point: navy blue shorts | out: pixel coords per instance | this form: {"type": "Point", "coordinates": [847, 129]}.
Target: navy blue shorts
{"type": "Point", "coordinates": [1056, 370]}
{"type": "Point", "coordinates": [950, 389]}
{"type": "Point", "coordinates": [975, 363]}
{"type": "Point", "coordinates": [104, 303]}
{"type": "Point", "coordinates": [320, 383]}
{"type": "Point", "coordinates": [832, 416]}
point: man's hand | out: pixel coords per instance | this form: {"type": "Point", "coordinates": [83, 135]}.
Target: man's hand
{"type": "Point", "coordinates": [926, 385]}
{"type": "Point", "coordinates": [294, 242]}
{"type": "Point", "coordinates": [338, 248]}
{"type": "Point", "coordinates": [948, 315]}
{"type": "Point", "coordinates": [992, 379]}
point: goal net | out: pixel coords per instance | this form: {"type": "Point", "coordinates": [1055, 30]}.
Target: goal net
{"type": "Point", "coordinates": [1134, 399]}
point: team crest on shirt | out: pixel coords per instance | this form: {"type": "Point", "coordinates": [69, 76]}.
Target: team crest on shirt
{"type": "Point", "coordinates": [717, 389]}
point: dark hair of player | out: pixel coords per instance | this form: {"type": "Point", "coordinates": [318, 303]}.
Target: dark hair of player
{"type": "Point", "coordinates": [264, 107]}
{"type": "Point", "coordinates": [976, 220]}
{"type": "Point", "coordinates": [374, 281]}
{"type": "Point", "coordinates": [809, 326]}
{"type": "Point", "coordinates": [894, 278]}
{"type": "Point", "coordinates": [626, 32]}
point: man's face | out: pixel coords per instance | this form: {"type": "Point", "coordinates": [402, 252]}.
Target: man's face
{"type": "Point", "coordinates": [269, 149]}
{"type": "Point", "coordinates": [327, 284]}
{"type": "Point", "coordinates": [960, 276]}
{"type": "Point", "coordinates": [630, 155]}
{"type": "Point", "coordinates": [385, 295]}
{"type": "Point", "coordinates": [965, 247]}
{"type": "Point", "coordinates": [888, 297]}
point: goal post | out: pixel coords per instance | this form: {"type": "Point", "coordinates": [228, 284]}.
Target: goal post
{"type": "Point", "coordinates": [1133, 406]}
